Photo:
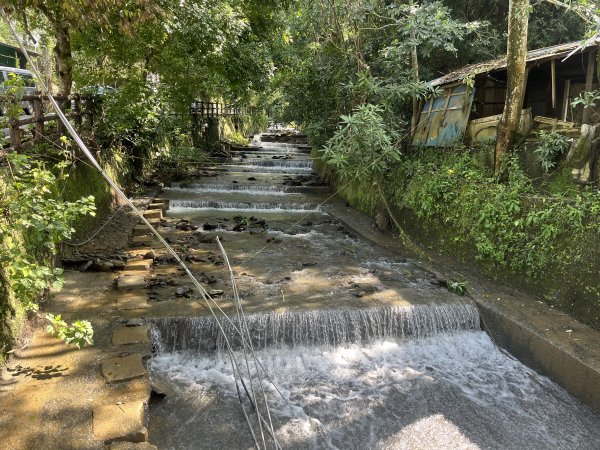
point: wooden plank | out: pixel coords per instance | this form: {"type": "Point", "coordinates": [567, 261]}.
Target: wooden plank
{"type": "Point", "coordinates": [566, 92]}
{"type": "Point", "coordinates": [553, 75]}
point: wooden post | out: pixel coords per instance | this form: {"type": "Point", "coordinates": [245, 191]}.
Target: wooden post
{"type": "Point", "coordinates": [60, 128]}
{"type": "Point", "coordinates": [15, 131]}
{"type": "Point", "coordinates": [38, 114]}
{"type": "Point", "coordinates": [566, 92]}
{"type": "Point", "coordinates": [77, 109]}
{"type": "Point", "coordinates": [89, 109]}
{"type": "Point", "coordinates": [589, 80]}
{"type": "Point", "coordinates": [553, 75]}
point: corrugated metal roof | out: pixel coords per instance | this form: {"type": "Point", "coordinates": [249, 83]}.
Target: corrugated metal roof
{"type": "Point", "coordinates": [547, 53]}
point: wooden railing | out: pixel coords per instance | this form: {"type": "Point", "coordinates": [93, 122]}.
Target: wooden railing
{"type": "Point", "coordinates": [214, 109]}
{"type": "Point", "coordinates": [81, 108]}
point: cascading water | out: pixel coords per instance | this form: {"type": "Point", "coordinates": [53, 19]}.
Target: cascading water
{"type": "Point", "coordinates": [319, 327]}
{"type": "Point", "coordinates": [358, 368]}
{"type": "Point", "coordinates": [447, 386]}
{"type": "Point", "coordinates": [177, 205]}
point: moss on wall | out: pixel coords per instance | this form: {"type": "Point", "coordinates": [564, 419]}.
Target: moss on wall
{"type": "Point", "coordinates": [83, 180]}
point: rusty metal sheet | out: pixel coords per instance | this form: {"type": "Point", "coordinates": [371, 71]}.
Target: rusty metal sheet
{"type": "Point", "coordinates": [443, 120]}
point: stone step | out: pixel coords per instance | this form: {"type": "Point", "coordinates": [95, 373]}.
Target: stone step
{"type": "Point", "coordinates": [142, 240]}
{"type": "Point", "coordinates": [132, 300]}
{"type": "Point", "coordinates": [128, 283]}
{"type": "Point", "coordinates": [164, 201]}
{"type": "Point", "coordinates": [123, 368]}
{"type": "Point", "coordinates": [157, 206]}
{"type": "Point", "coordinates": [141, 230]}
{"type": "Point", "coordinates": [153, 222]}
{"type": "Point", "coordinates": [153, 214]}
{"type": "Point", "coordinates": [121, 422]}
{"type": "Point", "coordinates": [131, 335]}
{"type": "Point", "coordinates": [132, 446]}
{"type": "Point", "coordinates": [138, 264]}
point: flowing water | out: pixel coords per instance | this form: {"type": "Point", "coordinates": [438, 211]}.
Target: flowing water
{"type": "Point", "coordinates": [365, 348]}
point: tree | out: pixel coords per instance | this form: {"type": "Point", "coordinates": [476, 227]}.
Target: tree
{"type": "Point", "coordinates": [516, 59]}
{"type": "Point", "coordinates": [63, 18]}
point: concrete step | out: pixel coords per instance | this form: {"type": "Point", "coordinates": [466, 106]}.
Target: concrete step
{"type": "Point", "coordinates": [132, 300]}
{"type": "Point", "coordinates": [131, 335]}
{"type": "Point", "coordinates": [139, 264]}
{"type": "Point", "coordinates": [153, 214]}
{"type": "Point", "coordinates": [142, 240]}
{"type": "Point", "coordinates": [121, 422]}
{"type": "Point", "coordinates": [157, 206]}
{"type": "Point", "coordinates": [141, 230]}
{"type": "Point", "coordinates": [128, 283]}
{"type": "Point", "coordinates": [123, 368]}
{"type": "Point", "coordinates": [132, 446]}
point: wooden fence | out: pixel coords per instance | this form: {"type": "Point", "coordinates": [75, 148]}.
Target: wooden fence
{"type": "Point", "coordinates": [81, 108]}
{"type": "Point", "coordinates": [213, 109]}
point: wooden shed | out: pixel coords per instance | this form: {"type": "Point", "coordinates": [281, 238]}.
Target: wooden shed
{"type": "Point", "coordinates": [11, 56]}
{"type": "Point", "coordinates": [471, 99]}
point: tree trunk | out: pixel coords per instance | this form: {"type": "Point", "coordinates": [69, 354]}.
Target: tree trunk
{"type": "Point", "coordinates": [414, 68]}
{"type": "Point", "coordinates": [64, 63]}
{"type": "Point", "coordinates": [516, 56]}
{"type": "Point", "coordinates": [414, 121]}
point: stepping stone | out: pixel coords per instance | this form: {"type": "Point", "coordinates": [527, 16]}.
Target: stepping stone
{"type": "Point", "coordinates": [159, 206]}
{"type": "Point", "coordinates": [138, 264]}
{"type": "Point", "coordinates": [124, 422]}
{"type": "Point", "coordinates": [141, 230]}
{"type": "Point", "coordinates": [132, 446]}
{"type": "Point", "coordinates": [142, 240]}
{"type": "Point", "coordinates": [123, 368]}
{"type": "Point", "coordinates": [164, 201]}
{"type": "Point", "coordinates": [131, 282]}
{"type": "Point", "coordinates": [153, 214]}
{"type": "Point", "coordinates": [132, 300]}
{"type": "Point", "coordinates": [131, 335]}
{"type": "Point", "coordinates": [153, 222]}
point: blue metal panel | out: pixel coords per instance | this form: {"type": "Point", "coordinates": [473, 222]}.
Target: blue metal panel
{"type": "Point", "coordinates": [443, 120]}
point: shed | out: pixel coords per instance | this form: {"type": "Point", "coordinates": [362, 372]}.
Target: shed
{"type": "Point", "coordinates": [11, 56]}
{"type": "Point", "coordinates": [471, 98]}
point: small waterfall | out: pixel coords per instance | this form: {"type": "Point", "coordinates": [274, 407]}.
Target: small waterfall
{"type": "Point", "coordinates": [319, 327]}
{"type": "Point", "coordinates": [284, 163]}
{"type": "Point", "coordinates": [234, 206]}
{"type": "Point", "coordinates": [255, 168]}
{"type": "Point", "coordinates": [255, 189]}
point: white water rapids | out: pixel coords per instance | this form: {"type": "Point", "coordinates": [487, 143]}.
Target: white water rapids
{"type": "Point", "coordinates": [445, 391]}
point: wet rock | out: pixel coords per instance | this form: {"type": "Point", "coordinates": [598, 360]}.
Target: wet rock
{"type": "Point", "coordinates": [209, 226]}
{"type": "Point", "coordinates": [308, 223]}
{"type": "Point", "coordinates": [274, 241]}
{"type": "Point", "coordinates": [150, 255]}
{"type": "Point", "coordinates": [309, 264]}
{"type": "Point", "coordinates": [134, 323]}
{"type": "Point", "coordinates": [251, 179]}
{"type": "Point", "coordinates": [358, 293]}
{"type": "Point", "coordinates": [242, 226]}
{"type": "Point", "coordinates": [183, 291]}
{"type": "Point", "coordinates": [184, 226]}
{"type": "Point", "coordinates": [216, 292]}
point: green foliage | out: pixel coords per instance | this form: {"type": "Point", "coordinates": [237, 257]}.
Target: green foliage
{"type": "Point", "coordinates": [79, 333]}
{"type": "Point", "coordinates": [552, 145]}
{"type": "Point", "coordinates": [34, 219]}
{"type": "Point", "coordinates": [237, 138]}
{"type": "Point", "coordinates": [362, 147]}
{"type": "Point", "coordinates": [587, 98]}
{"type": "Point", "coordinates": [507, 223]}
{"type": "Point", "coordinates": [457, 287]}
